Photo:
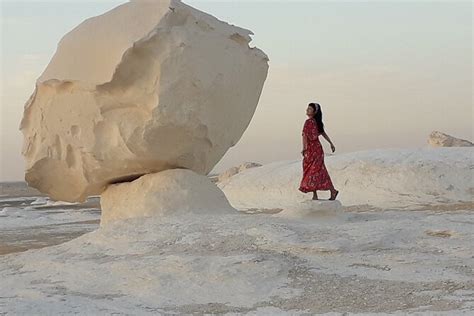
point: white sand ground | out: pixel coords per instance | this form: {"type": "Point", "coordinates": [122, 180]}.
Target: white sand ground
{"type": "Point", "coordinates": [371, 259]}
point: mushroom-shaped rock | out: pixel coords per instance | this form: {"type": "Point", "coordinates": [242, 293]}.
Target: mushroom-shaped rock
{"type": "Point", "coordinates": [145, 87]}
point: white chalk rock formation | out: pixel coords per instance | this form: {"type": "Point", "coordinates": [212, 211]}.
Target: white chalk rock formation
{"type": "Point", "coordinates": [145, 87]}
{"type": "Point", "coordinates": [234, 170]}
{"type": "Point", "coordinates": [381, 178]}
{"type": "Point", "coordinates": [438, 139]}
{"type": "Point", "coordinates": [174, 191]}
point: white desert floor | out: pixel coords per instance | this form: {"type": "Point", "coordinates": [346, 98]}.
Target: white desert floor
{"type": "Point", "coordinates": [389, 250]}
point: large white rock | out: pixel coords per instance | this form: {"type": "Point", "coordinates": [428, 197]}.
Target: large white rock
{"type": "Point", "coordinates": [169, 192]}
{"type": "Point", "coordinates": [145, 87]}
{"type": "Point", "coordinates": [438, 139]}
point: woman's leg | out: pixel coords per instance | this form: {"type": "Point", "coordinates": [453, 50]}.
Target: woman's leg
{"type": "Point", "coordinates": [334, 193]}
{"type": "Point", "coordinates": [315, 195]}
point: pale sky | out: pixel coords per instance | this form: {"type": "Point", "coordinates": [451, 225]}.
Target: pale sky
{"type": "Point", "coordinates": [386, 73]}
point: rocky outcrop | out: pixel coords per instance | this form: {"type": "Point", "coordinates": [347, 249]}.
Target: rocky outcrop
{"type": "Point", "coordinates": [235, 170]}
{"type": "Point", "coordinates": [438, 139]}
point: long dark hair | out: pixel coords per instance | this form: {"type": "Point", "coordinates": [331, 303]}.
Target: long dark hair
{"type": "Point", "coordinates": [318, 117]}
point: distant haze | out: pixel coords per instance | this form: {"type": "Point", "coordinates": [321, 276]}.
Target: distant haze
{"type": "Point", "coordinates": [385, 73]}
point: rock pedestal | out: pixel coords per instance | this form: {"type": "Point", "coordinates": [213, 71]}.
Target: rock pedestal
{"type": "Point", "coordinates": [169, 192]}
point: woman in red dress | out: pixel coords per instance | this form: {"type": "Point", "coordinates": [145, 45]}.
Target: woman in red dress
{"type": "Point", "coordinates": [315, 174]}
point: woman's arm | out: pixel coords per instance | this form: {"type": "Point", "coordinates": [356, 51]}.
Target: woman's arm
{"type": "Point", "coordinates": [303, 134]}
{"type": "Point", "coordinates": [326, 136]}
{"type": "Point", "coordinates": [304, 144]}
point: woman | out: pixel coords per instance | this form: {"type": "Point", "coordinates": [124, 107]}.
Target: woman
{"type": "Point", "coordinates": [315, 174]}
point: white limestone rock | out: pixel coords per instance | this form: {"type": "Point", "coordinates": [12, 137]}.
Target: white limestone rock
{"type": "Point", "coordinates": [438, 139]}
{"type": "Point", "coordinates": [169, 192]}
{"type": "Point", "coordinates": [377, 178]}
{"type": "Point", "coordinates": [234, 170]}
{"type": "Point", "coordinates": [145, 87]}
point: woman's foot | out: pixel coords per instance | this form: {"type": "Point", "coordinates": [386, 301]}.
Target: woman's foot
{"type": "Point", "coordinates": [333, 195]}
{"type": "Point", "coordinates": [315, 196]}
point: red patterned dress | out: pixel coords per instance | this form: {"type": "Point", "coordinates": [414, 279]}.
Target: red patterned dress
{"type": "Point", "coordinates": [315, 174]}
